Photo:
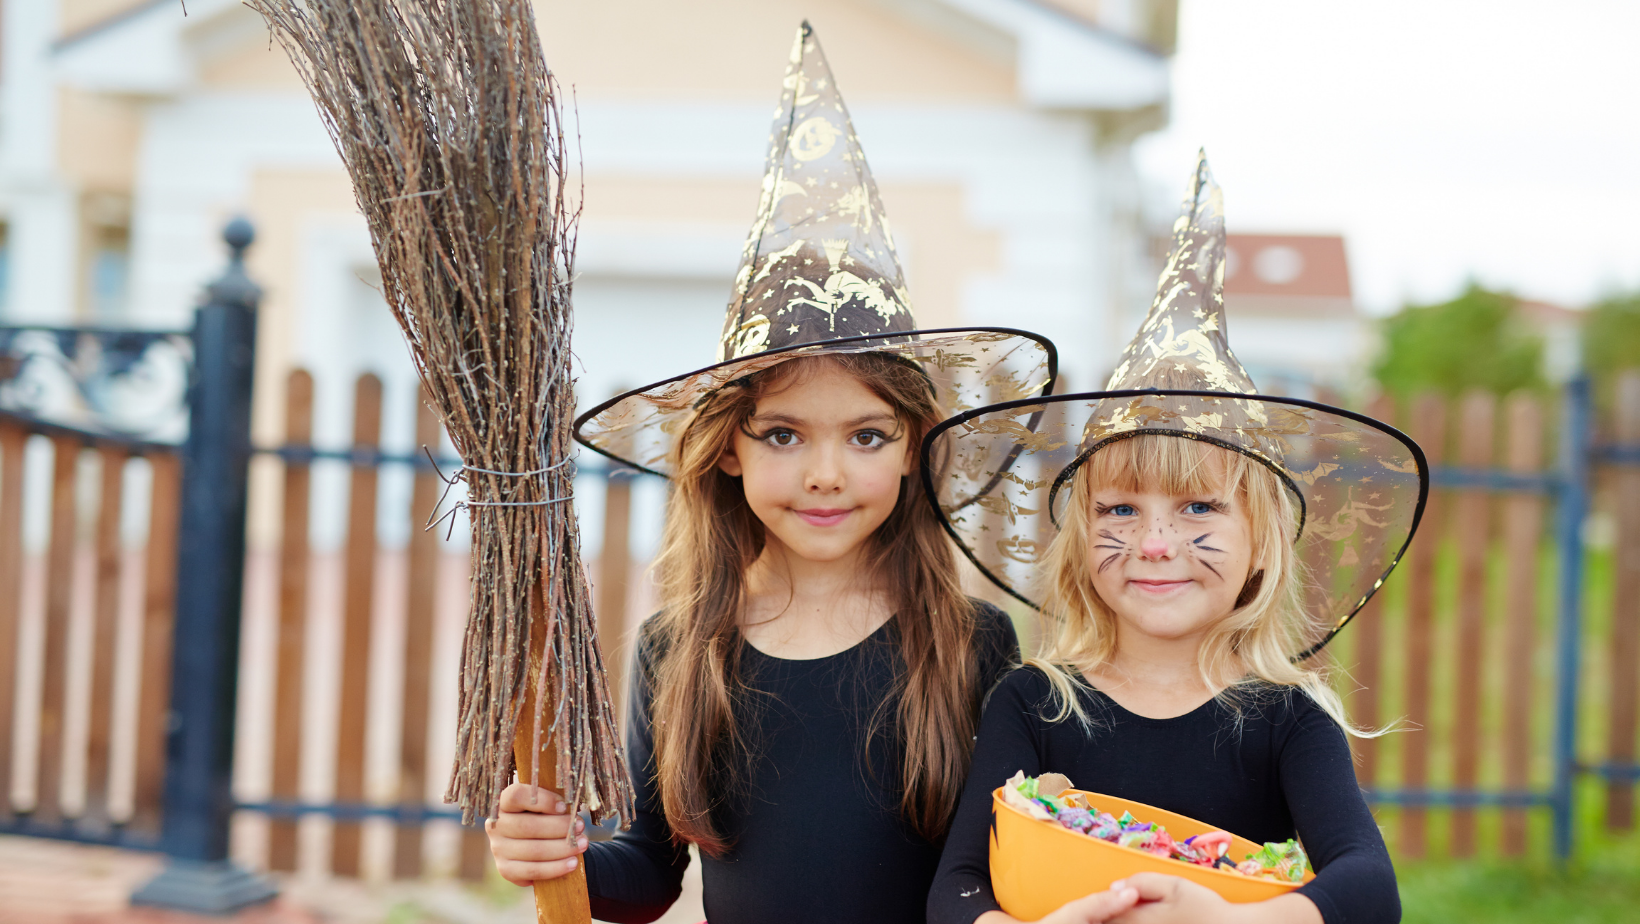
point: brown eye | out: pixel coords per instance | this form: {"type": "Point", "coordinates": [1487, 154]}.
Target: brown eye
{"type": "Point", "coordinates": [869, 439]}
{"type": "Point", "coordinates": [782, 438]}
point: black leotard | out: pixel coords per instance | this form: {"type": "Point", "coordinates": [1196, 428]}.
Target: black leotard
{"type": "Point", "coordinates": [817, 838]}
{"type": "Point", "coordinates": [1283, 769]}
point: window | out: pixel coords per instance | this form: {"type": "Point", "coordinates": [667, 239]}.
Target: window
{"type": "Point", "coordinates": [106, 270]}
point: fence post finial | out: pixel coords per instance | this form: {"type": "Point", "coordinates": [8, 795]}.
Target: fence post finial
{"type": "Point", "coordinates": [234, 286]}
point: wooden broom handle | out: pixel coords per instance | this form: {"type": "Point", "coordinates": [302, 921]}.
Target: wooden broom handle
{"type": "Point", "coordinates": [562, 900]}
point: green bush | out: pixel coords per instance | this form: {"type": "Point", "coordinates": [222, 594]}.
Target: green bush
{"type": "Point", "coordinates": [1473, 341]}
{"type": "Point", "coordinates": [1611, 336]}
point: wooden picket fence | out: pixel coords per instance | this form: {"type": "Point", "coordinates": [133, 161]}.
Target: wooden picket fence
{"type": "Point", "coordinates": [293, 670]}
{"type": "Point", "coordinates": [1623, 665]}
{"type": "Point", "coordinates": [1474, 630]}
{"type": "Point", "coordinates": [1459, 650]}
{"type": "Point", "coordinates": [69, 604]}
{"type": "Point", "coordinates": [428, 564]}
{"type": "Point", "coordinates": [86, 607]}
{"type": "Point", "coordinates": [1458, 653]}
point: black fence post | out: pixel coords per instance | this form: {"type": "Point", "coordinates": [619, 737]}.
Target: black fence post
{"type": "Point", "coordinates": [199, 800]}
{"type": "Point", "coordinates": [1575, 437]}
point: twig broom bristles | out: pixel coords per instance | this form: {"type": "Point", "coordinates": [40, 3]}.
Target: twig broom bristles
{"type": "Point", "coordinates": [452, 130]}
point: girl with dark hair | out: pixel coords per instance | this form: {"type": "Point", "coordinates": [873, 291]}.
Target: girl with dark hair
{"type": "Point", "coordinates": [805, 701]}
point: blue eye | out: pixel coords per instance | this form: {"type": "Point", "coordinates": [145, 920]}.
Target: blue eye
{"type": "Point", "coordinates": [1199, 508]}
{"type": "Point", "coordinates": [1123, 510]}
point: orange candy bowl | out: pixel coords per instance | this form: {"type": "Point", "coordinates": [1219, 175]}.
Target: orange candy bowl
{"type": "Point", "coordinates": [1037, 866]}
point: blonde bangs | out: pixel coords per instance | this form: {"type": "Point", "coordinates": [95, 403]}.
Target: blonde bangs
{"type": "Point", "coordinates": [1171, 465]}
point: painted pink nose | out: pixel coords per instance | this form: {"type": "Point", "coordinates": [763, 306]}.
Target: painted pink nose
{"type": "Point", "coordinates": [1153, 547]}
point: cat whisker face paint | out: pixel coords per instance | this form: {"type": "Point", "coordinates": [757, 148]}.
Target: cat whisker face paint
{"type": "Point", "coordinates": [1113, 545]}
{"type": "Point", "coordinates": [1199, 546]}
{"type": "Point", "coordinates": [1171, 563]}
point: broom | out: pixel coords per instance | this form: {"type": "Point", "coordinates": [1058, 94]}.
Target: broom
{"type": "Point", "coordinates": [452, 131]}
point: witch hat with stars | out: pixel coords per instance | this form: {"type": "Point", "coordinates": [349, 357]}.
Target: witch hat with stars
{"type": "Point", "coordinates": [1005, 471]}
{"type": "Point", "coordinates": [818, 276]}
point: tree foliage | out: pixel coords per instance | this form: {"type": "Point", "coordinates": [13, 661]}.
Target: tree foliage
{"type": "Point", "coordinates": [1611, 336]}
{"type": "Point", "coordinates": [1473, 341]}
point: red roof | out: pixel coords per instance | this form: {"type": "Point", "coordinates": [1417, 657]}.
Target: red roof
{"type": "Point", "coordinates": [1306, 265]}
{"type": "Point", "coordinates": [1547, 314]}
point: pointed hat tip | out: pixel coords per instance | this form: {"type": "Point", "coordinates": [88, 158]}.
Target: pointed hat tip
{"type": "Point", "coordinates": [1204, 172]}
{"type": "Point", "coordinates": [1204, 190]}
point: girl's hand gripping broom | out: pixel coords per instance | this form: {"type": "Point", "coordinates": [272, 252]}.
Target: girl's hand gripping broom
{"type": "Point", "coordinates": [452, 130]}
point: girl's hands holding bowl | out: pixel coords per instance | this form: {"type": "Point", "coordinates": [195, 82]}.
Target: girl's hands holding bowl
{"type": "Point", "coordinates": [1096, 908]}
{"type": "Point", "coordinates": [530, 839]}
{"type": "Point", "coordinates": [1172, 900]}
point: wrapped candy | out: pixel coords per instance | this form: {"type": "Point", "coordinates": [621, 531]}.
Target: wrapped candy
{"type": "Point", "coordinates": [1049, 798]}
{"type": "Point", "coordinates": [1285, 861]}
{"type": "Point", "coordinates": [1077, 819]}
{"type": "Point", "coordinates": [1162, 845]}
{"type": "Point", "coordinates": [1134, 838]}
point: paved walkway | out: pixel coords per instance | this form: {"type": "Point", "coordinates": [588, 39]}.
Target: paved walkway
{"type": "Point", "coordinates": [55, 882]}
{"type": "Point", "coordinates": [52, 882]}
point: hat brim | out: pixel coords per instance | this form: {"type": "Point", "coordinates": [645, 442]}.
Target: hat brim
{"type": "Point", "coordinates": [968, 367]}
{"type": "Point", "coordinates": [996, 476]}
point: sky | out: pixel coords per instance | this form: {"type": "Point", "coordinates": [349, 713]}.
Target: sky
{"type": "Point", "coordinates": [1446, 140]}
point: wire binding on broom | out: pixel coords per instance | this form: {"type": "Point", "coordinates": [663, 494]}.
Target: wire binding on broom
{"type": "Point", "coordinates": [434, 518]}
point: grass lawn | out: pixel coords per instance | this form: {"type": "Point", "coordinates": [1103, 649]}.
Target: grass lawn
{"type": "Point", "coordinates": [1602, 883]}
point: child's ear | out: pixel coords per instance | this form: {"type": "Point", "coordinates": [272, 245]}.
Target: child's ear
{"type": "Point", "coordinates": [910, 462]}
{"type": "Point", "coordinates": [729, 464]}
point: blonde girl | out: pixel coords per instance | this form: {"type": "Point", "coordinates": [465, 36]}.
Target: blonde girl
{"type": "Point", "coordinates": [1208, 540]}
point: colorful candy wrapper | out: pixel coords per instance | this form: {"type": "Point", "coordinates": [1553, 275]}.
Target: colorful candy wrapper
{"type": "Point", "coordinates": [1285, 860]}
{"type": "Point", "coordinates": [1077, 819]}
{"type": "Point", "coordinates": [1140, 839]}
{"type": "Point", "coordinates": [1020, 792]}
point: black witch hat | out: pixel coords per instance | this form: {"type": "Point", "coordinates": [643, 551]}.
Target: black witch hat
{"type": "Point", "coordinates": [819, 275]}
{"type": "Point", "coordinates": [1001, 475]}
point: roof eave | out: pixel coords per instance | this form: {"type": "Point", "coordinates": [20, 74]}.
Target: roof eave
{"type": "Point", "coordinates": [1067, 62]}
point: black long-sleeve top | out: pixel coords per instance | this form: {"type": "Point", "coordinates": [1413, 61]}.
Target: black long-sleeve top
{"type": "Point", "coordinates": [1283, 769]}
{"type": "Point", "coordinates": [817, 836]}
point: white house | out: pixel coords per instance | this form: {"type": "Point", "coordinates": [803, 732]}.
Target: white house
{"type": "Point", "coordinates": [999, 131]}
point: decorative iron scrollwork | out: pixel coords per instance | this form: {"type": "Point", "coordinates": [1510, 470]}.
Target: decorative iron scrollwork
{"type": "Point", "coordinates": [125, 383]}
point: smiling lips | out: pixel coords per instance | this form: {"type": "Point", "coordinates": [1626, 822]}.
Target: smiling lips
{"type": "Point", "coordinates": [1159, 587]}
{"type": "Point", "coordinates": [824, 516]}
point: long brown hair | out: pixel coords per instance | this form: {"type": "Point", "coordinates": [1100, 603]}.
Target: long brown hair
{"type": "Point", "coordinates": [712, 537]}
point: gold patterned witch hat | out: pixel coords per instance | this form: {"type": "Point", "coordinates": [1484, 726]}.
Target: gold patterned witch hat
{"type": "Point", "coordinates": [1000, 475]}
{"type": "Point", "coordinates": [818, 275]}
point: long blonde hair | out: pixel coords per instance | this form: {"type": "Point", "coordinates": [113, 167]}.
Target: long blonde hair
{"type": "Point", "coordinates": [711, 537]}
{"type": "Point", "coordinates": [1251, 646]}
